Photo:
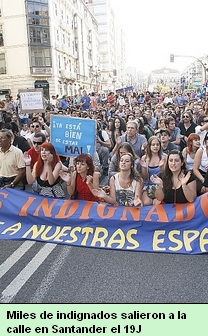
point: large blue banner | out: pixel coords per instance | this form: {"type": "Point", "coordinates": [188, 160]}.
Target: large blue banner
{"type": "Point", "coordinates": [73, 136]}
{"type": "Point", "coordinates": [162, 228]}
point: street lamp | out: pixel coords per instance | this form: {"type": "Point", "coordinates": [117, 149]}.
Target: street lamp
{"type": "Point", "coordinates": [204, 71]}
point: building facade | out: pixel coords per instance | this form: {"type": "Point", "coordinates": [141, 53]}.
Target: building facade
{"type": "Point", "coordinates": [166, 77]}
{"type": "Point", "coordinates": [49, 44]}
{"type": "Point", "coordinates": [104, 15]}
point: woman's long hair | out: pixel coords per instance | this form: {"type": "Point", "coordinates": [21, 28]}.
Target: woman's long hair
{"type": "Point", "coordinates": [134, 175]}
{"type": "Point", "coordinates": [128, 148]}
{"type": "Point", "coordinates": [167, 173]}
{"type": "Point", "coordinates": [191, 137]}
{"type": "Point", "coordinates": [122, 128]}
{"type": "Point", "coordinates": [39, 167]}
{"type": "Point", "coordinates": [148, 149]}
{"type": "Point", "coordinates": [89, 161]}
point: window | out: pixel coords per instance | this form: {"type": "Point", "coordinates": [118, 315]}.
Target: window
{"type": "Point", "coordinates": [100, 9]}
{"type": "Point", "coordinates": [40, 57]}
{"type": "Point", "coordinates": [101, 19]}
{"type": "Point", "coordinates": [65, 63]}
{"type": "Point", "coordinates": [39, 35]}
{"type": "Point", "coordinates": [59, 61]}
{"type": "Point", "coordinates": [38, 9]}
{"type": "Point", "coordinates": [2, 64]}
{"type": "Point", "coordinates": [56, 11]}
{"type": "Point", "coordinates": [76, 44]}
{"type": "Point", "coordinates": [44, 10]}
{"type": "Point", "coordinates": [90, 55]}
{"type": "Point", "coordinates": [32, 20]}
{"type": "Point", "coordinates": [102, 29]}
{"type": "Point", "coordinates": [42, 1]}
{"type": "Point", "coordinates": [1, 37]}
{"type": "Point", "coordinates": [30, 8]}
{"type": "Point", "coordinates": [57, 35]}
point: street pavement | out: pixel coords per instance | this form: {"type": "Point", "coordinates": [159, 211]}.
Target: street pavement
{"type": "Point", "coordinates": [33, 272]}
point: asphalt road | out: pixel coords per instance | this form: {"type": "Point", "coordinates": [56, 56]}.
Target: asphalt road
{"type": "Point", "coordinates": [32, 272]}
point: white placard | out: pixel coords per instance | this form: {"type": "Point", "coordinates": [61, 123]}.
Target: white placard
{"type": "Point", "coordinates": [31, 100]}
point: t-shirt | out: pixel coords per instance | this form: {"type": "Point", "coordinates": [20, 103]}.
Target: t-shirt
{"type": "Point", "coordinates": [136, 144]}
{"type": "Point", "coordinates": [124, 196]}
{"type": "Point", "coordinates": [86, 101]}
{"type": "Point", "coordinates": [200, 133]}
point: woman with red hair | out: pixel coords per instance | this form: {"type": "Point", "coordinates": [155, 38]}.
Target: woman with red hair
{"type": "Point", "coordinates": [45, 171]}
{"type": "Point", "coordinates": [193, 144]}
{"type": "Point", "coordinates": [82, 180]}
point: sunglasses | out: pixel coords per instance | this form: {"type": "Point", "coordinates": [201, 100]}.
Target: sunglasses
{"type": "Point", "coordinates": [36, 126]}
{"type": "Point", "coordinates": [185, 116]}
{"type": "Point", "coordinates": [37, 143]}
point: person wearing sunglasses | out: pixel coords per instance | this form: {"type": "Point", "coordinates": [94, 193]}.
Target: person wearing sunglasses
{"type": "Point", "coordinates": [37, 127]}
{"type": "Point", "coordinates": [34, 151]}
{"type": "Point", "coordinates": [187, 126]}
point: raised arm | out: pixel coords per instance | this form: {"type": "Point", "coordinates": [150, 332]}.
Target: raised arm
{"type": "Point", "coordinates": [197, 163]}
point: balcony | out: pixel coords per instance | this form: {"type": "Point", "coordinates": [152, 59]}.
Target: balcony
{"type": "Point", "coordinates": [68, 75]}
{"type": "Point", "coordinates": [65, 26]}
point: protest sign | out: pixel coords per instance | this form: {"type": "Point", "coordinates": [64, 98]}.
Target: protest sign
{"type": "Point", "coordinates": [73, 136]}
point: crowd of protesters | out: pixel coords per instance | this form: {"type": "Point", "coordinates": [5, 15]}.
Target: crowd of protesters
{"type": "Point", "coordinates": [150, 148]}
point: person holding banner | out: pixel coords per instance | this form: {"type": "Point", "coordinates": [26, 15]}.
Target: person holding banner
{"type": "Point", "coordinates": [81, 181]}
{"type": "Point", "coordinates": [176, 184]}
{"type": "Point", "coordinates": [46, 171]}
{"type": "Point", "coordinates": [125, 186]}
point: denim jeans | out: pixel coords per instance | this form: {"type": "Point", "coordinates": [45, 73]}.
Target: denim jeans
{"type": "Point", "coordinates": [7, 180]}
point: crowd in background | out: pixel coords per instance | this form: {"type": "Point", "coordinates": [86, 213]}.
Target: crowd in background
{"type": "Point", "coordinates": [150, 148]}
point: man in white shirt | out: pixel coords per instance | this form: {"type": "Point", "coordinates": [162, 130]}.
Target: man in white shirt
{"type": "Point", "coordinates": [168, 99]}
{"type": "Point", "coordinates": [37, 127]}
{"type": "Point", "coordinates": [202, 128]}
{"type": "Point", "coordinates": [12, 167]}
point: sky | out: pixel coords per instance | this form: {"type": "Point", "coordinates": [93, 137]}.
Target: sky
{"type": "Point", "coordinates": [155, 29]}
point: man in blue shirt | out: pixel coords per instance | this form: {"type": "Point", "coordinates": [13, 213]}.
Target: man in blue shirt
{"type": "Point", "coordinates": [63, 103]}
{"type": "Point", "coordinates": [85, 101]}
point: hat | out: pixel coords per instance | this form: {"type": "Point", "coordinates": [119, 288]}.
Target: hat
{"type": "Point", "coordinates": [165, 130]}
